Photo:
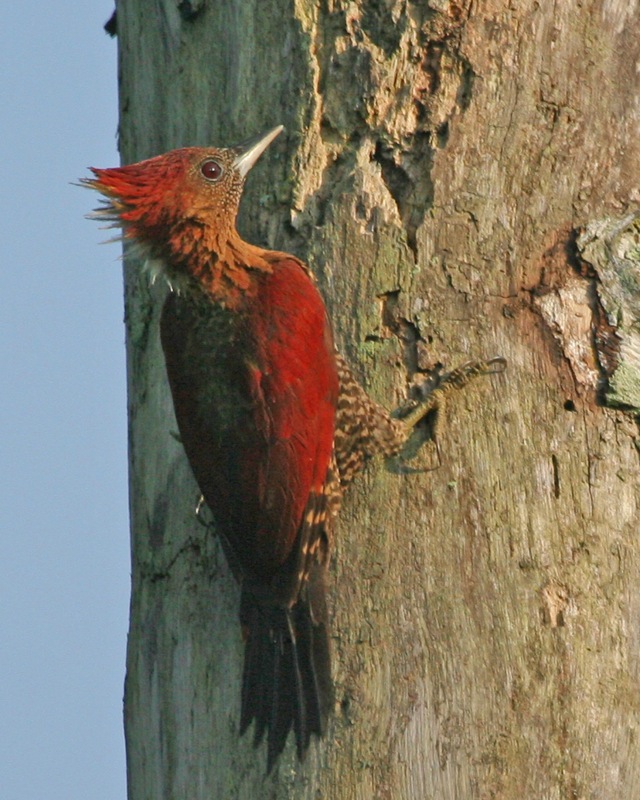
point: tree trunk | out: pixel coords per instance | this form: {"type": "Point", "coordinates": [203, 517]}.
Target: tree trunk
{"type": "Point", "coordinates": [461, 178]}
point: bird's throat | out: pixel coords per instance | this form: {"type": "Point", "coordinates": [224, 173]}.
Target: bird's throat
{"type": "Point", "coordinates": [228, 277]}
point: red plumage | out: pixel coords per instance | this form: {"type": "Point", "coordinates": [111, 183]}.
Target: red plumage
{"type": "Point", "coordinates": [272, 421]}
{"type": "Point", "coordinates": [252, 369]}
{"type": "Point", "coordinates": [255, 391]}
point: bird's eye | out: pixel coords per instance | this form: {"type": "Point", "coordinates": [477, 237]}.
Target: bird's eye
{"type": "Point", "coordinates": [211, 170]}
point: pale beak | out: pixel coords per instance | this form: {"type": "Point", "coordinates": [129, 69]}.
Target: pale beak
{"type": "Point", "coordinates": [249, 152]}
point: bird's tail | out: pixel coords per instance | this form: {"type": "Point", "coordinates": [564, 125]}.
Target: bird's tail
{"type": "Point", "coordinates": [286, 681]}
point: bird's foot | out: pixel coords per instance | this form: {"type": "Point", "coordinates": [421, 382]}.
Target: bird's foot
{"type": "Point", "coordinates": [201, 506]}
{"type": "Point", "coordinates": [460, 377]}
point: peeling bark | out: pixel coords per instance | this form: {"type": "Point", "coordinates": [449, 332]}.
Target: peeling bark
{"type": "Point", "coordinates": [463, 179]}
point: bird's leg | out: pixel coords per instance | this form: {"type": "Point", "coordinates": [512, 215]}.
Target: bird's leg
{"type": "Point", "coordinates": [365, 429]}
{"type": "Point", "coordinates": [457, 379]}
{"type": "Point", "coordinates": [437, 399]}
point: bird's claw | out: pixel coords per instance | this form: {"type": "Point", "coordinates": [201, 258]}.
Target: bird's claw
{"type": "Point", "coordinates": [200, 505]}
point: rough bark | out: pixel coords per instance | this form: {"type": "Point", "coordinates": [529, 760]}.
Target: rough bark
{"type": "Point", "coordinates": [460, 176]}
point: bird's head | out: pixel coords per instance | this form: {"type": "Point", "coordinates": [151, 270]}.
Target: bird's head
{"type": "Point", "coordinates": [182, 205]}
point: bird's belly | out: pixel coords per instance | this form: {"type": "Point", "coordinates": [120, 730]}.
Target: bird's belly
{"type": "Point", "coordinates": [207, 352]}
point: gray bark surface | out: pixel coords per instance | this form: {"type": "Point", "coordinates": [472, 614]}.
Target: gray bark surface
{"type": "Point", "coordinates": [440, 163]}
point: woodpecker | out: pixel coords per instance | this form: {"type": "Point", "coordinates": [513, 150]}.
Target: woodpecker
{"type": "Point", "coordinates": [272, 421]}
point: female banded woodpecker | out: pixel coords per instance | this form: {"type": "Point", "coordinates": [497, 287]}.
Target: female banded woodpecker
{"type": "Point", "coordinates": [272, 421]}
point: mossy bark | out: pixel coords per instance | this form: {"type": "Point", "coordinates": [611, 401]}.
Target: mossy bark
{"type": "Point", "coordinates": [440, 163]}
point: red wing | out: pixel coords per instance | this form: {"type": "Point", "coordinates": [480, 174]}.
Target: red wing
{"type": "Point", "coordinates": [295, 389]}
{"type": "Point", "coordinates": [255, 396]}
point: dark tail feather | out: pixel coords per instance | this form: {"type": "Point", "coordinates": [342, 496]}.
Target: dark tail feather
{"type": "Point", "coordinates": [287, 672]}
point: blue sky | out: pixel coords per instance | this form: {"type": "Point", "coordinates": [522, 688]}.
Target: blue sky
{"type": "Point", "coordinates": [64, 568]}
